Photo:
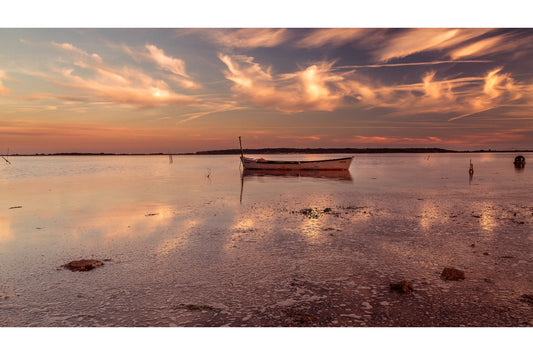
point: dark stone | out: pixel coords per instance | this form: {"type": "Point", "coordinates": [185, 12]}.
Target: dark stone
{"type": "Point", "coordinates": [83, 265]}
{"type": "Point", "coordinates": [299, 316]}
{"type": "Point", "coordinates": [196, 307]}
{"type": "Point", "coordinates": [452, 274]}
{"type": "Point", "coordinates": [402, 287]}
{"type": "Point", "coordinates": [527, 298]}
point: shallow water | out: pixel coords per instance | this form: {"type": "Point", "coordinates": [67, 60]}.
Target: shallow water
{"type": "Point", "coordinates": [195, 243]}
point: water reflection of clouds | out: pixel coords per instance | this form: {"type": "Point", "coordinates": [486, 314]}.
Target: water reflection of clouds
{"type": "Point", "coordinates": [5, 229]}
{"type": "Point", "coordinates": [119, 222]}
{"type": "Point", "coordinates": [242, 228]}
{"type": "Point", "coordinates": [178, 240]}
{"type": "Point", "coordinates": [487, 216]}
{"type": "Point", "coordinates": [312, 230]}
{"type": "Point", "coordinates": [430, 214]}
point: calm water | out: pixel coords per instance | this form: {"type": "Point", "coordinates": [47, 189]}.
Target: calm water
{"type": "Point", "coordinates": [198, 232]}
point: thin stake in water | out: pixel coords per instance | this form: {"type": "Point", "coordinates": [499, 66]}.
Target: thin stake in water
{"type": "Point", "coordinates": [5, 158]}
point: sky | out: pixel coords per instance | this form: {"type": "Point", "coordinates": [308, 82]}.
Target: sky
{"type": "Point", "coordinates": [179, 90]}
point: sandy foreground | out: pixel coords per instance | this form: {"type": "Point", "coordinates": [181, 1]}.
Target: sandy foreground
{"type": "Point", "coordinates": [323, 261]}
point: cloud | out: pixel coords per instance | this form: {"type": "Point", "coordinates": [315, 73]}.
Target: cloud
{"type": "Point", "coordinates": [323, 87]}
{"type": "Point", "coordinates": [384, 65]}
{"type": "Point", "coordinates": [308, 89]}
{"type": "Point", "coordinates": [331, 37]}
{"type": "Point", "coordinates": [305, 138]}
{"type": "Point", "coordinates": [208, 108]}
{"type": "Point", "coordinates": [174, 65]}
{"type": "Point", "coordinates": [498, 89]}
{"type": "Point", "coordinates": [497, 44]}
{"type": "Point", "coordinates": [248, 37]}
{"type": "Point", "coordinates": [499, 84]}
{"type": "Point", "coordinates": [477, 48]}
{"type": "Point", "coordinates": [460, 97]}
{"type": "Point", "coordinates": [69, 48]}
{"type": "Point", "coordinates": [126, 85]}
{"type": "Point", "coordinates": [412, 41]}
{"type": "Point", "coordinates": [3, 90]}
{"type": "Point", "coordinates": [456, 43]}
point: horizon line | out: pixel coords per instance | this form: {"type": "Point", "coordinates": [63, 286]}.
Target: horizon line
{"type": "Point", "coordinates": [285, 151]}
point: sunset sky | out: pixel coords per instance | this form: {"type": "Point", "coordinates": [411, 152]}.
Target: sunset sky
{"type": "Point", "coordinates": [185, 90]}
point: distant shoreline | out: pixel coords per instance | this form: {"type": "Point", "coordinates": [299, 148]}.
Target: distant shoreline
{"type": "Point", "coordinates": [293, 151]}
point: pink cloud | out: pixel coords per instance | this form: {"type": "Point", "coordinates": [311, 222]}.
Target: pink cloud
{"type": "Point", "coordinates": [294, 137]}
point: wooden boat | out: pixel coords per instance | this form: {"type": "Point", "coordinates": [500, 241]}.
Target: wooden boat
{"type": "Point", "coordinates": [519, 161]}
{"type": "Point", "coordinates": [328, 164]}
{"type": "Point", "coordinates": [263, 164]}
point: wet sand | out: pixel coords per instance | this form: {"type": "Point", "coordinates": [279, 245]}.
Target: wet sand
{"type": "Point", "coordinates": [281, 267]}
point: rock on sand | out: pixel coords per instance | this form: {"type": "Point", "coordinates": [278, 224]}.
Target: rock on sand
{"type": "Point", "coordinates": [452, 274]}
{"type": "Point", "coordinates": [83, 265]}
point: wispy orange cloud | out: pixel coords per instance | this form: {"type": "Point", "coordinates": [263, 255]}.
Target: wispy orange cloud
{"type": "Point", "coordinates": [124, 85]}
{"type": "Point", "coordinates": [173, 65]}
{"type": "Point", "coordinates": [384, 65]}
{"type": "Point", "coordinates": [323, 87]}
{"type": "Point", "coordinates": [208, 108]}
{"type": "Point", "coordinates": [498, 89]}
{"type": "Point", "coordinates": [248, 37]}
{"type": "Point", "coordinates": [69, 48]}
{"type": "Point", "coordinates": [416, 40]}
{"type": "Point", "coordinates": [497, 44]}
{"type": "Point", "coordinates": [331, 37]}
{"type": "Point", "coordinates": [478, 48]}
{"type": "Point", "coordinates": [307, 89]}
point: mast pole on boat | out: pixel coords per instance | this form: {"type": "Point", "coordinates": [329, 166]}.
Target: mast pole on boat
{"type": "Point", "coordinates": [242, 155]}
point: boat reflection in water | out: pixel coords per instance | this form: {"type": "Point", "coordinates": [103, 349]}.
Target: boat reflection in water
{"type": "Point", "coordinates": [322, 174]}
{"type": "Point", "coordinates": [339, 175]}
